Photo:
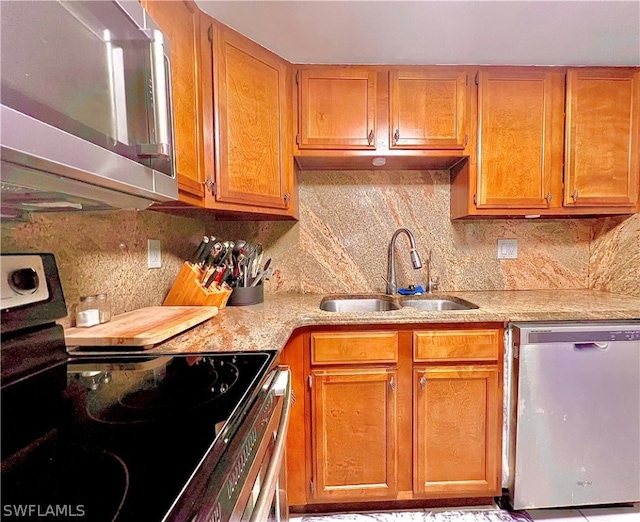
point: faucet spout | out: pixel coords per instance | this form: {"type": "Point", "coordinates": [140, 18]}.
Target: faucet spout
{"type": "Point", "coordinates": [392, 285]}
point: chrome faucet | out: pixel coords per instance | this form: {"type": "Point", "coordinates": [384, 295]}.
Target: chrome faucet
{"type": "Point", "coordinates": [392, 285]}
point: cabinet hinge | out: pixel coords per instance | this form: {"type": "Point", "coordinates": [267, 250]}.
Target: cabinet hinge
{"type": "Point", "coordinates": [466, 79]}
{"type": "Point", "coordinates": [210, 33]}
{"type": "Point", "coordinates": [477, 82]}
{"type": "Point", "coordinates": [475, 199]}
{"type": "Point", "coordinates": [312, 487]}
{"type": "Point", "coordinates": [298, 77]}
{"type": "Point", "coordinates": [297, 139]}
{"type": "Point", "coordinates": [466, 139]}
{"type": "Point", "coordinates": [310, 380]}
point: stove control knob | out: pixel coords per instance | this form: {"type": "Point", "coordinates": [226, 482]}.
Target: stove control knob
{"type": "Point", "coordinates": [24, 281]}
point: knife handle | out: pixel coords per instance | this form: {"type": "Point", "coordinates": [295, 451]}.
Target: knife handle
{"type": "Point", "coordinates": [195, 257]}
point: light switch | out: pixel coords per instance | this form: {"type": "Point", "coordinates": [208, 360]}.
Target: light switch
{"type": "Point", "coordinates": [507, 248]}
{"type": "Point", "coordinates": [154, 259]}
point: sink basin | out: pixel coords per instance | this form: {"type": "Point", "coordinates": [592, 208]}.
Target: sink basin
{"type": "Point", "coordinates": [358, 304]}
{"type": "Point", "coordinates": [441, 303]}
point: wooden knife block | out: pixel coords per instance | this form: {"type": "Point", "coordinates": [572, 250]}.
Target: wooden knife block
{"type": "Point", "coordinates": [188, 291]}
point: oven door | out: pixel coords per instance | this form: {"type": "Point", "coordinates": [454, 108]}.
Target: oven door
{"type": "Point", "coordinates": [268, 499]}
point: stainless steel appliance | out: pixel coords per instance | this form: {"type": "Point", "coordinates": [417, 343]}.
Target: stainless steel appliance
{"type": "Point", "coordinates": [130, 437]}
{"type": "Point", "coordinates": [86, 115]}
{"type": "Point", "coordinates": [573, 414]}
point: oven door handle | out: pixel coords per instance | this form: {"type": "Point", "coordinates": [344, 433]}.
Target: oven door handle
{"type": "Point", "coordinates": [265, 498]}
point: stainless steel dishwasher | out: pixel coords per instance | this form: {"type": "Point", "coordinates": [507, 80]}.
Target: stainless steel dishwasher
{"type": "Point", "coordinates": [572, 414]}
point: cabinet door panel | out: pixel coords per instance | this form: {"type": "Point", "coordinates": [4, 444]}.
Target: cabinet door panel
{"type": "Point", "coordinates": [517, 140]}
{"type": "Point", "coordinates": [337, 108]}
{"type": "Point", "coordinates": [428, 108]}
{"type": "Point", "coordinates": [363, 347]}
{"type": "Point", "coordinates": [456, 345]}
{"type": "Point", "coordinates": [251, 119]}
{"type": "Point", "coordinates": [603, 115]}
{"type": "Point", "coordinates": [354, 434]}
{"type": "Point", "coordinates": [457, 432]}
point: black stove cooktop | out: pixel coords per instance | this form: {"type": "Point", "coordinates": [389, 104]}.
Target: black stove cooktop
{"type": "Point", "coordinates": [117, 438]}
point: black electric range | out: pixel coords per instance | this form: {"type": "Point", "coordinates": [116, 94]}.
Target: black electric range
{"type": "Point", "coordinates": [116, 438]}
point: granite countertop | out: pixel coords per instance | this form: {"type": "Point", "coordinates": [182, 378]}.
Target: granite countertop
{"type": "Point", "coordinates": [268, 326]}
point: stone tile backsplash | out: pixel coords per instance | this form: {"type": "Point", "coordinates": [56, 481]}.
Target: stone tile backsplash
{"type": "Point", "coordinates": [340, 243]}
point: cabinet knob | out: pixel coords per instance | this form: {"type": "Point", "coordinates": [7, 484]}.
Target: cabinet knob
{"type": "Point", "coordinates": [370, 137]}
{"type": "Point", "coordinates": [396, 136]}
{"type": "Point", "coordinates": [575, 195]}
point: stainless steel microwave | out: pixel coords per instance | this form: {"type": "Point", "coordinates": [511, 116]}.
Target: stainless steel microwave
{"type": "Point", "coordinates": [86, 119]}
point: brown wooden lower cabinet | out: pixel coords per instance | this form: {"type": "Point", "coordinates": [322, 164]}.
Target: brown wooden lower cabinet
{"type": "Point", "coordinates": [456, 442]}
{"type": "Point", "coordinates": [419, 419]}
{"type": "Point", "coordinates": [354, 434]}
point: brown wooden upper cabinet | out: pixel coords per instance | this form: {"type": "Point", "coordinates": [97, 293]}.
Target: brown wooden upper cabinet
{"type": "Point", "coordinates": [546, 148]}
{"type": "Point", "coordinates": [337, 108]}
{"type": "Point", "coordinates": [602, 132]}
{"type": "Point", "coordinates": [233, 123]}
{"type": "Point", "coordinates": [427, 108]}
{"type": "Point", "coordinates": [251, 124]}
{"type": "Point", "coordinates": [519, 137]}
{"type": "Point", "coordinates": [413, 116]}
{"type": "Point", "coordinates": [180, 22]}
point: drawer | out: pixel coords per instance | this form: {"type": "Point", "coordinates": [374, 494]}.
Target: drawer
{"type": "Point", "coordinates": [347, 347]}
{"type": "Point", "coordinates": [456, 345]}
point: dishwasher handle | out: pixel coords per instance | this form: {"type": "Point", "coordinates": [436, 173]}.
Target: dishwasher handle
{"type": "Point", "coordinates": [591, 346]}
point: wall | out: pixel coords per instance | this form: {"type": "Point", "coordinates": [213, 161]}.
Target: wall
{"type": "Point", "coordinates": [615, 255]}
{"type": "Point", "coordinates": [348, 218]}
{"type": "Point", "coordinates": [340, 243]}
{"type": "Point", "coordinates": [100, 252]}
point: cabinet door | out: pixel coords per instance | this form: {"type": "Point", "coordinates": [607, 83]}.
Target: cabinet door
{"type": "Point", "coordinates": [602, 132]}
{"type": "Point", "coordinates": [354, 434]}
{"type": "Point", "coordinates": [254, 157]}
{"type": "Point", "coordinates": [427, 108]}
{"type": "Point", "coordinates": [179, 21]}
{"type": "Point", "coordinates": [457, 444]}
{"type": "Point", "coordinates": [337, 108]}
{"type": "Point", "coordinates": [519, 137]}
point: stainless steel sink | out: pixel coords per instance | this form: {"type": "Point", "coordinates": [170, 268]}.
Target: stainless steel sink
{"type": "Point", "coordinates": [359, 303]}
{"type": "Point", "coordinates": [387, 303]}
{"type": "Point", "coordinates": [440, 303]}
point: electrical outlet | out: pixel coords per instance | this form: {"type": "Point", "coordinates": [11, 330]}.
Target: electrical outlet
{"type": "Point", "coordinates": [507, 248]}
{"type": "Point", "coordinates": [154, 258]}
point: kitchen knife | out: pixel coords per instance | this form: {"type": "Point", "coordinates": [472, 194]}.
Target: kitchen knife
{"type": "Point", "coordinates": [195, 257]}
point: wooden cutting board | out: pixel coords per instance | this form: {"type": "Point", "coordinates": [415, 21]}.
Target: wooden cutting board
{"type": "Point", "coordinates": [143, 327]}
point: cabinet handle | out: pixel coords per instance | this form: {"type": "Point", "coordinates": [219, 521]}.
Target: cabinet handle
{"type": "Point", "coordinates": [287, 199]}
{"type": "Point", "coordinates": [392, 384]}
{"type": "Point", "coordinates": [370, 137]}
{"type": "Point", "coordinates": [575, 195]}
{"type": "Point", "coordinates": [423, 381]}
{"type": "Point", "coordinates": [548, 198]}
{"type": "Point", "coordinates": [210, 185]}
{"type": "Point", "coordinates": [396, 136]}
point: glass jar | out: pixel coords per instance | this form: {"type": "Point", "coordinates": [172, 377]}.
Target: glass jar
{"type": "Point", "coordinates": [104, 308]}
{"type": "Point", "coordinates": [87, 312]}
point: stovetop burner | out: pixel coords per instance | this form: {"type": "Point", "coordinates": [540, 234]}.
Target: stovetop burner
{"type": "Point", "coordinates": [49, 479]}
{"type": "Point", "coordinates": [172, 389]}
